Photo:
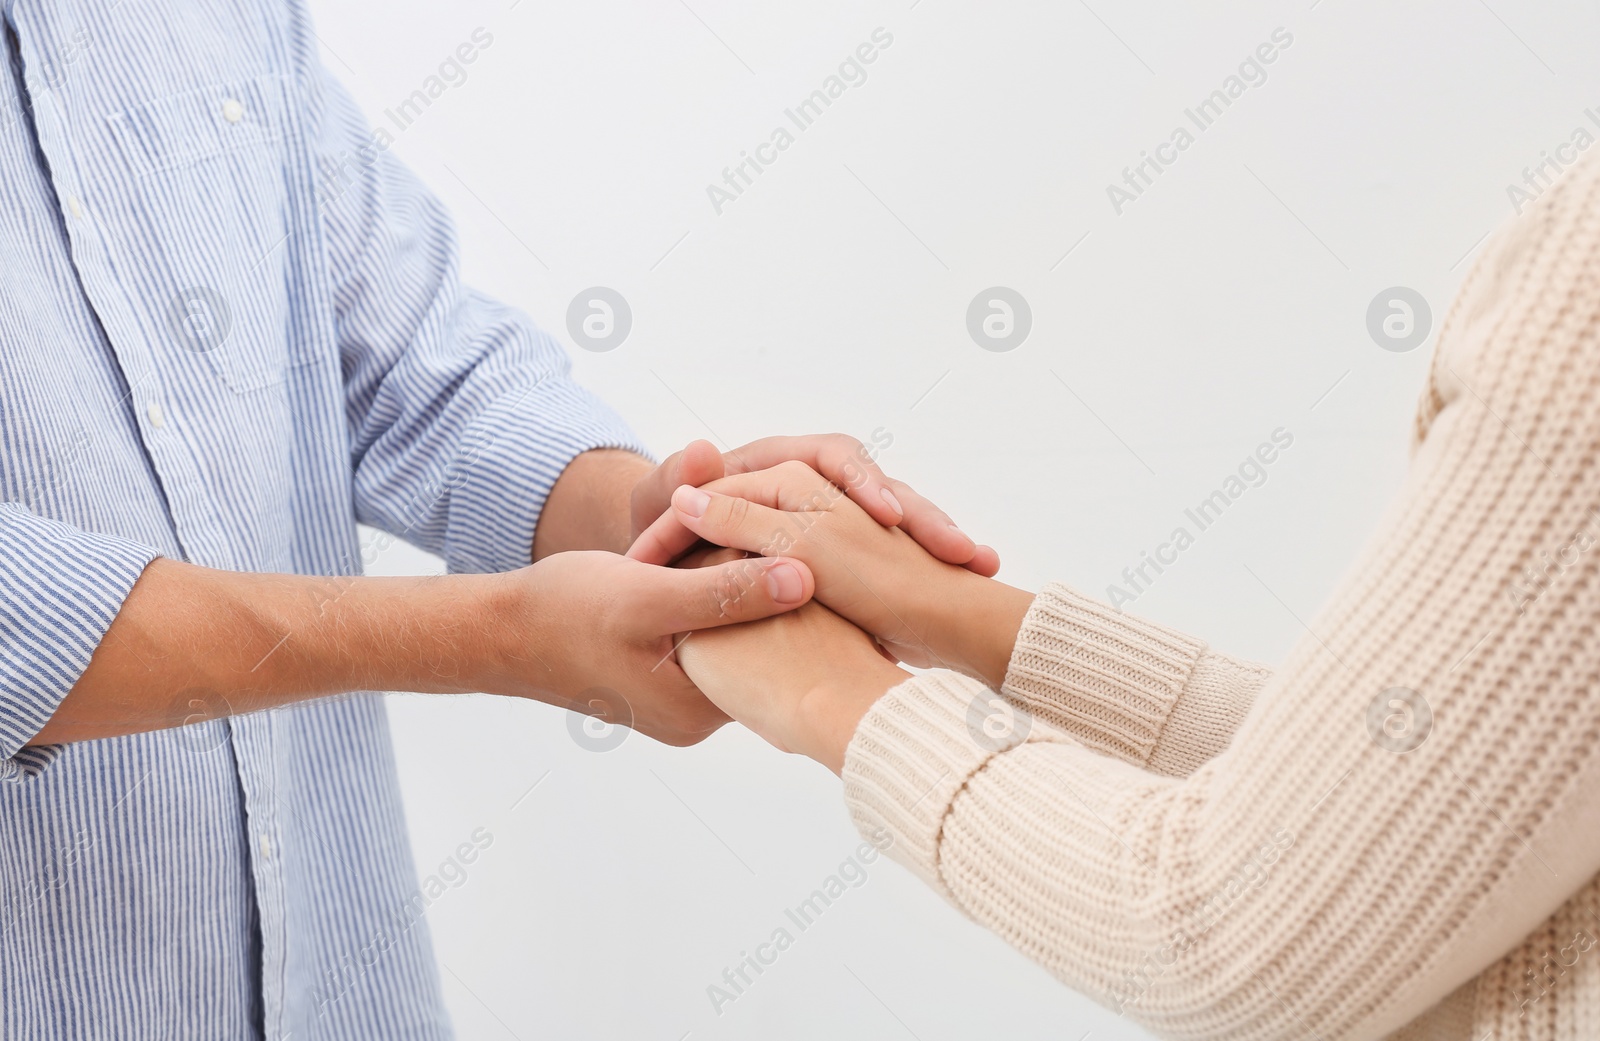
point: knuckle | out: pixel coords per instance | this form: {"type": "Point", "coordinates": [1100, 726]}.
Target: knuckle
{"type": "Point", "coordinates": [795, 472]}
{"type": "Point", "coordinates": [855, 466]}
{"type": "Point", "coordinates": [736, 511]}
{"type": "Point", "coordinates": [819, 500]}
{"type": "Point", "coordinates": [727, 590]}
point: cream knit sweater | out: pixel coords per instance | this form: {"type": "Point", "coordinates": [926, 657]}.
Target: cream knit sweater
{"type": "Point", "coordinates": [1220, 850]}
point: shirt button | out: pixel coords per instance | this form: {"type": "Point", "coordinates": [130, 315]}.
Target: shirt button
{"type": "Point", "coordinates": [158, 418]}
{"type": "Point", "coordinates": [266, 847]}
{"type": "Point", "coordinates": [232, 110]}
{"type": "Point", "coordinates": [75, 207]}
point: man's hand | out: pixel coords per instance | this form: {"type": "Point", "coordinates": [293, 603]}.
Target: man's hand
{"type": "Point", "coordinates": [841, 459]}
{"type": "Point", "coordinates": [595, 632]}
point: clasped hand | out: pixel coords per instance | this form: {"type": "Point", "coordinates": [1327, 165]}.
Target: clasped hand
{"type": "Point", "coordinates": [833, 523]}
{"type": "Point", "coordinates": [803, 679]}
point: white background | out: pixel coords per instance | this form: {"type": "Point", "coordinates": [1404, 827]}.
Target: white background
{"type": "Point", "coordinates": [1229, 300]}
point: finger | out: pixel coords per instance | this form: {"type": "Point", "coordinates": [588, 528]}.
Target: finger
{"type": "Point", "coordinates": [937, 533]}
{"type": "Point", "coordinates": [697, 464]}
{"type": "Point", "coordinates": [843, 460]}
{"type": "Point", "coordinates": [791, 487]}
{"type": "Point", "coordinates": [839, 457]}
{"type": "Point", "coordinates": [739, 591]}
{"type": "Point", "coordinates": [664, 541]}
{"type": "Point", "coordinates": [783, 488]}
{"type": "Point", "coordinates": [739, 523]}
{"type": "Point", "coordinates": [985, 562]}
{"type": "Point", "coordinates": [710, 556]}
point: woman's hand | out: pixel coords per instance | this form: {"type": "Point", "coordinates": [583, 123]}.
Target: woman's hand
{"type": "Point", "coordinates": [801, 680]}
{"type": "Point", "coordinates": [837, 457]}
{"type": "Point", "coordinates": [924, 611]}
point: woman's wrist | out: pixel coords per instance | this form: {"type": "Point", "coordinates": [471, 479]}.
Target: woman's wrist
{"type": "Point", "coordinates": [826, 717]}
{"type": "Point", "coordinates": [976, 625]}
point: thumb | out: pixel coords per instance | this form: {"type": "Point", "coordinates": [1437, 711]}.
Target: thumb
{"type": "Point", "coordinates": [699, 463]}
{"type": "Point", "coordinates": [738, 591]}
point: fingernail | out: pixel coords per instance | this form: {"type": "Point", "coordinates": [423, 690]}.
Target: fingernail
{"type": "Point", "coordinates": [894, 504]}
{"type": "Point", "coordinates": [784, 584]}
{"type": "Point", "coordinates": [691, 500]}
{"type": "Point", "coordinates": [963, 534]}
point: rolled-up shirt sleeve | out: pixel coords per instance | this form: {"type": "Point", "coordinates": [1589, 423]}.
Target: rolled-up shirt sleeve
{"type": "Point", "coordinates": [462, 413]}
{"type": "Point", "coordinates": [60, 589]}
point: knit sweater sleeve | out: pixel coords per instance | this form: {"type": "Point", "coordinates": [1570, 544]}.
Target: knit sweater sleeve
{"type": "Point", "coordinates": [1130, 688]}
{"type": "Point", "coordinates": [1415, 788]}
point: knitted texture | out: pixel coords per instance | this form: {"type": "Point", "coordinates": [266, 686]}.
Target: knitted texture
{"type": "Point", "coordinates": [1395, 833]}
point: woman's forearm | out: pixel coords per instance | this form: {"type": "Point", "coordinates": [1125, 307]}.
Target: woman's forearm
{"type": "Point", "coordinates": [1413, 794]}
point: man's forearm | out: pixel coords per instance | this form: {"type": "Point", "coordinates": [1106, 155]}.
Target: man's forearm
{"type": "Point", "coordinates": [588, 507]}
{"type": "Point", "coordinates": [192, 643]}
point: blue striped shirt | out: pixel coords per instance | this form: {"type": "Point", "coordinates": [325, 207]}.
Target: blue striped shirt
{"type": "Point", "coordinates": [230, 329]}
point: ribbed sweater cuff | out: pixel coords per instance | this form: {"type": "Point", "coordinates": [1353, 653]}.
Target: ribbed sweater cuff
{"type": "Point", "coordinates": [913, 752]}
{"type": "Point", "coordinates": [1107, 678]}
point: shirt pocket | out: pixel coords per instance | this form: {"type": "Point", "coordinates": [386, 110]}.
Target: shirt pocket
{"type": "Point", "coordinates": [209, 211]}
